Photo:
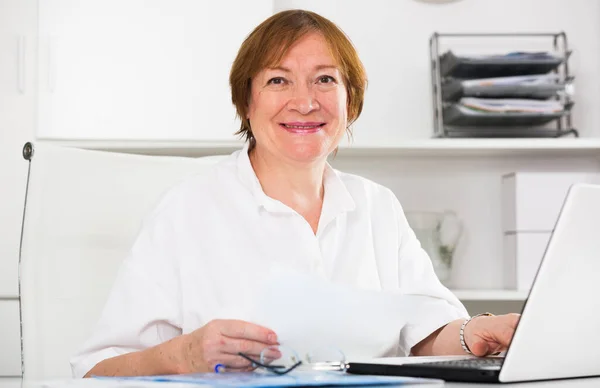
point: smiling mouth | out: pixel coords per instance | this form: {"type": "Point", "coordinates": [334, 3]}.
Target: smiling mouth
{"type": "Point", "coordinates": [302, 128]}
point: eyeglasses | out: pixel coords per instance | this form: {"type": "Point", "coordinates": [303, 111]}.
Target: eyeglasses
{"type": "Point", "coordinates": [282, 360]}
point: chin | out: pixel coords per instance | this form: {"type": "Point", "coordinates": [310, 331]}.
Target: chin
{"type": "Point", "coordinates": [307, 152]}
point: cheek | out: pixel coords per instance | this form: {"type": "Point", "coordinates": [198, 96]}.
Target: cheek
{"type": "Point", "coordinates": [253, 106]}
{"type": "Point", "coordinates": [265, 105]}
{"type": "Point", "coordinates": [337, 104]}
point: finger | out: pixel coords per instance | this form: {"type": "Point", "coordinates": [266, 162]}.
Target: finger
{"type": "Point", "coordinates": [479, 348]}
{"type": "Point", "coordinates": [239, 370]}
{"type": "Point", "coordinates": [231, 362]}
{"type": "Point", "coordinates": [504, 335]}
{"type": "Point", "coordinates": [249, 348]}
{"type": "Point", "coordinates": [247, 330]}
{"type": "Point", "coordinates": [497, 349]}
{"type": "Point", "coordinates": [494, 348]}
{"type": "Point", "coordinates": [513, 320]}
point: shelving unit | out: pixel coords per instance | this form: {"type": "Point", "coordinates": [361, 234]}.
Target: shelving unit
{"type": "Point", "coordinates": [364, 158]}
{"type": "Point", "coordinates": [482, 147]}
{"type": "Point", "coordinates": [413, 147]}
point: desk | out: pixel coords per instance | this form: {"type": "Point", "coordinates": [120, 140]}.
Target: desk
{"type": "Point", "coordinates": [571, 383]}
{"type": "Point", "coordinates": [8, 382]}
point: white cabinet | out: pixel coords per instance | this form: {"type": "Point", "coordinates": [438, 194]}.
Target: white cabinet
{"type": "Point", "coordinates": [140, 69]}
{"type": "Point", "coordinates": [17, 120]}
{"type": "Point", "coordinates": [10, 338]}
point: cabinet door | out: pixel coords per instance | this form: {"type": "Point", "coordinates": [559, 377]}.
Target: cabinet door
{"type": "Point", "coordinates": [140, 69]}
{"type": "Point", "coordinates": [17, 120]}
{"type": "Point", "coordinates": [10, 338]}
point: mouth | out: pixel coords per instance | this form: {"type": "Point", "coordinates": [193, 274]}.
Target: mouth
{"type": "Point", "coordinates": [303, 127]}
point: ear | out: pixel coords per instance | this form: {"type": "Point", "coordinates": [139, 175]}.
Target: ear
{"type": "Point", "coordinates": [248, 108]}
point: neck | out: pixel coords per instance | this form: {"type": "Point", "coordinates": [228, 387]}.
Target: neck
{"type": "Point", "coordinates": [299, 186]}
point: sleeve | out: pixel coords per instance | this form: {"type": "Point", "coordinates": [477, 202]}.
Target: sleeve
{"type": "Point", "coordinates": [143, 307]}
{"type": "Point", "coordinates": [416, 277]}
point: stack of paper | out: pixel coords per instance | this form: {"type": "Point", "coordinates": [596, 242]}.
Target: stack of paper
{"type": "Point", "coordinates": [519, 56]}
{"type": "Point", "coordinates": [508, 105]}
{"type": "Point", "coordinates": [540, 79]}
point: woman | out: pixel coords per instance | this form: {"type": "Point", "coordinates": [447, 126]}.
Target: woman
{"type": "Point", "coordinates": [297, 84]}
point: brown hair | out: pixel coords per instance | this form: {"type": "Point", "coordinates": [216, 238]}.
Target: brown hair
{"type": "Point", "coordinates": [268, 44]}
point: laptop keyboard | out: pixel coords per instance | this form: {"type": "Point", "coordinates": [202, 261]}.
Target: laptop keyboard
{"type": "Point", "coordinates": [469, 363]}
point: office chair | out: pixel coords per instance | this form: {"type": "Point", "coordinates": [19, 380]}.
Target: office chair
{"type": "Point", "coordinates": [82, 212]}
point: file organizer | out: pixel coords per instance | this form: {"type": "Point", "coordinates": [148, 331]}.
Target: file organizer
{"type": "Point", "coordinates": [452, 78]}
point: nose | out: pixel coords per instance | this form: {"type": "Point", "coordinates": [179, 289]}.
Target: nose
{"type": "Point", "coordinates": [303, 100]}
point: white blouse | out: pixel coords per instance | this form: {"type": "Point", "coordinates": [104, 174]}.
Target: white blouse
{"type": "Point", "coordinates": [212, 236]}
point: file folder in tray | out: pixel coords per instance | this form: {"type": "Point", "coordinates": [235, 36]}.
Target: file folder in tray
{"type": "Point", "coordinates": [504, 132]}
{"type": "Point", "coordinates": [458, 115]}
{"type": "Point", "coordinates": [497, 65]}
{"type": "Point", "coordinates": [454, 89]}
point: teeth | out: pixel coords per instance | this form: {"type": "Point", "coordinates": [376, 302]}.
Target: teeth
{"type": "Point", "coordinates": [301, 126]}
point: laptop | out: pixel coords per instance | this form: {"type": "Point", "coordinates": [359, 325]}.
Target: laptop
{"type": "Point", "coordinates": [558, 335]}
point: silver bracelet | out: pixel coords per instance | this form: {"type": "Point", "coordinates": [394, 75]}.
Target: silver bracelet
{"type": "Point", "coordinates": [462, 331]}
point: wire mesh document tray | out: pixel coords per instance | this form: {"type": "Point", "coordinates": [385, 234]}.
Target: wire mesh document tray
{"type": "Point", "coordinates": [524, 89]}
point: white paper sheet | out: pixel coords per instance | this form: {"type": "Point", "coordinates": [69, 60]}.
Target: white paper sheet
{"type": "Point", "coordinates": [309, 313]}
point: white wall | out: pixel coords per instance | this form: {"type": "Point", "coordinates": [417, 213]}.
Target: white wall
{"type": "Point", "coordinates": [471, 187]}
{"type": "Point", "coordinates": [166, 65]}
{"type": "Point", "coordinates": [392, 39]}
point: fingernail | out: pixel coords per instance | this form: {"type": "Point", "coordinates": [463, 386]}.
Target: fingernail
{"type": "Point", "coordinates": [272, 338]}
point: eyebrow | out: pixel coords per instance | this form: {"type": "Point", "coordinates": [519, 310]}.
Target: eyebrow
{"type": "Point", "coordinates": [318, 67]}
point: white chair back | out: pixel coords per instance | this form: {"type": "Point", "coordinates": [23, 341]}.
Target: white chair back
{"type": "Point", "coordinates": [83, 210]}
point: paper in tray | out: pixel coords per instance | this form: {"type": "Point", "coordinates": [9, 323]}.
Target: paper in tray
{"type": "Point", "coordinates": [505, 132]}
{"type": "Point", "coordinates": [455, 89]}
{"type": "Point", "coordinates": [458, 115]}
{"type": "Point", "coordinates": [466, 67]}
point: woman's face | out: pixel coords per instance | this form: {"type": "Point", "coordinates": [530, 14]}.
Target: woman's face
{"type": "Point", "coordinates": [298, 110]}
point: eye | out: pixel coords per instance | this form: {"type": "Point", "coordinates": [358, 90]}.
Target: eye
{"type": "Point", "coordinates": [276, 81]}
{"type": "Point", "coordinates": [326, 79]}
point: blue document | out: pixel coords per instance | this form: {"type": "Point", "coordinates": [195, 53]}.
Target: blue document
{"type": "Point", "coordinates": [294, 379]}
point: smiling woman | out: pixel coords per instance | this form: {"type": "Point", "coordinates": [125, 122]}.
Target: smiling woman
{"type": "Point", "coordinates": [296, 52]}
{"type": "Point", "coordinates": [297, 109]}
{"type": "Point", "coordinates": [297, 84]}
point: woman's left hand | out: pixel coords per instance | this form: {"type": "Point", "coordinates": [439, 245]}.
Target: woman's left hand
{"type": "Point", "coordinates": [487, 335]}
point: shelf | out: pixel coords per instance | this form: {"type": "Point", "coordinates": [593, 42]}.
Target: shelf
{"type": "Point", "coordinates": [491, 295]}
{"type": "Point", "coordinates": [412, 147]}
{"type": "Point", "coordinates": [482, 147]}
{"type": "Point", "coordinates": [153, 147]}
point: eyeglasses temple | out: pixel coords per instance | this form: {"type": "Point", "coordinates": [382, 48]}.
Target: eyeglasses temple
{"type": "Point", "coordinates": [271, 368]}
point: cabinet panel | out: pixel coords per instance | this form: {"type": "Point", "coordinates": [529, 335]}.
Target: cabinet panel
{"type": "Point", "coordinates": [10, 343]}
{"type": "Point", "coordinates": [140, 69]}
{"type": "Point", "coordinates": [17, 119]}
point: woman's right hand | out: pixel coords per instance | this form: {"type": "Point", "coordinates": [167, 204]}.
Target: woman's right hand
{"type": "Point", "coordinates": [220, 341]}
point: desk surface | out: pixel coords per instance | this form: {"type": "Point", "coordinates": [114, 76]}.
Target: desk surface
{"type": "Point", "coordinates": [8, 382]}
